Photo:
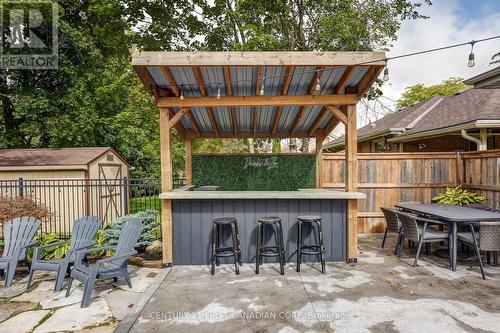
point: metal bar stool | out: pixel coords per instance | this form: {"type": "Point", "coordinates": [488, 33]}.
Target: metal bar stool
{"type": "Point", "coordinates": [272, 250]}
{"type": "Point", "coordinates": [227, 251]}
{"type": "Point", "coordinates": [310, 249]}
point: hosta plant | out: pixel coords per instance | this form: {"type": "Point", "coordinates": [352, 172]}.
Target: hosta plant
{"type": "Point", "coordinates": [458, 197]}
{"type": "Point", "coordinates": [148, 234]}
{"type": "Point", "coordinates": [52, 252]}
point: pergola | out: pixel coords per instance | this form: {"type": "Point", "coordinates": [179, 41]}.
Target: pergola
{"type": "Point", "coordinates": [257, 95]}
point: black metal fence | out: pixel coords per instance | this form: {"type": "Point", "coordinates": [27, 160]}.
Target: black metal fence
{"type": "Point", "coordinates": [69, 199]}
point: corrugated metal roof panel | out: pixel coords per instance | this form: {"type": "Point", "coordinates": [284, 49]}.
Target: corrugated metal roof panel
{"type": "Point", "coordinates": [185, 79]}
{"type": "Point", "coordinates": [273, 79]}
{"type": "Point", "coordinates": [158, 77]}
{"type": "Point", "coordinates": [326, 120]}
{"type": "Point", "coordinates": [301, 79]}
{"type": "Point", "coordinates": [266, 118]}
{"type": "Point", "coordinates": [243, 80]}
{"type": "Point", "coordinates": [214, 78]}
{"type": "Point", "coordinates": [244, 118]}
{"type": "Point", "coordinates": [357, 76]}
{"type": "Point", "coordinates": [329, 79]}
{"type": "Point", "coordinates": [223, 116]}
{"type": "Point", "coordinates": [288, 115]}
{"type": "Point", "coordinates": [201, 116]}
{"type": "Point", "coordinates": [310, 114]}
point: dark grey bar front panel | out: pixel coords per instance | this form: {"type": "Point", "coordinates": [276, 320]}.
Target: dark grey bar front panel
{"type": "Point", "coordinates": [192, 223]}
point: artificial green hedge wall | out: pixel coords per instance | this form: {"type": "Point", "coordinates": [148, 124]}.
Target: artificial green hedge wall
{"type": "Point", "coordinates": [255, 172]}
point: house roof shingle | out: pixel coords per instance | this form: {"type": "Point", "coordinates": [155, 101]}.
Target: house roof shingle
{"type": "Point", "coordinates": [50, 156]}
{"type": "Point", "coordinates": [436, 113]}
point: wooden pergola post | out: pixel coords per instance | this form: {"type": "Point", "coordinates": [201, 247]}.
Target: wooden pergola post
{"type": "Point", "coordinates": [188, 161]}
{"type": "Point", "coordinates": [351, 181]}
{"type": "Point", "coordinates": [319, 162]}
{"type": "Point", "coordinates": [166, 186]}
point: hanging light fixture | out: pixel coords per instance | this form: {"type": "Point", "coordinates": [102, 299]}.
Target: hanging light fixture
{"type": "Point", "coordinates": [262, 86]}
{"type": "Point", "coordinates": [218, 92]}
{"type": "Point", "coordinates": [386, 72]}
{"type": "Point", "coordinates": [471, 61]}
{"type": "Point", "coordinates": [318, 84]}
{"type": "Point", "coordinates": [182, 92]}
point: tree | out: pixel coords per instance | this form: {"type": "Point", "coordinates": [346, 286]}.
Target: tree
{"type": "Point", "coordinates": [419, 92]}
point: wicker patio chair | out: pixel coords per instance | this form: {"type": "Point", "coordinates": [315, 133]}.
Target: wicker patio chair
{"type": "Point", "coordinates": [417, 229]}
{"type": "Point", "coordinates": [392, 224]}
{"type": "Point", "coordinates": [83, 233]}
{"type": "Point", "coordinates": [487, 239]}
{"type": "Point", "coordinates": [107, 268]}
{"type": "Point", "coordinates": [18, 237]}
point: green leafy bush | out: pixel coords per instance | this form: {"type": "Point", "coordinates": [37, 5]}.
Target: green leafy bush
{"type": "Point", "coordinates": [52, 252]}
{"type": "Point", "coordinates": [458, 197]}
{"type": "Point", "coordinates": [148, 234]}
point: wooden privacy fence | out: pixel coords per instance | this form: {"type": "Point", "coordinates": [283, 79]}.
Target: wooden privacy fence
{"type": "Point", "coordinates": [388, 178]}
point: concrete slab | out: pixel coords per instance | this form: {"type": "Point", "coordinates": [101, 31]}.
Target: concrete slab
{"type": "Point", "coordinates": [23, 322]}
{"type": "Point", "coordinates": [140, 278]}
{"type": "Point", "coordinates": [73, 318]}
{"type": "Point", "coordinates": [381, 293]}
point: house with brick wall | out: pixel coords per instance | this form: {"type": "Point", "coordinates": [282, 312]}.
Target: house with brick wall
{"type": "Point", "coordinates": [466, 121]}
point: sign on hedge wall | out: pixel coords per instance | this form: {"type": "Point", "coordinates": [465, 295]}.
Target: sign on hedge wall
{"type": "Point", "coordinates": [255, 172]}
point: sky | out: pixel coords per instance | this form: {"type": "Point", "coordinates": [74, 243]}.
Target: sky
{"type": "Point", "coordinates": [449, 22]}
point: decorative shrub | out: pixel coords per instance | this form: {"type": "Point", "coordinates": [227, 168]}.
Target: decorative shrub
{"type": "Point", "coordinates": [458, 197]}
{"type": "Point", "coordinates": [52, 252]}
{"type": "Point", "coordinates": [255, 172]}
{"type": "Point", "coordinates": [16, 207]}
{"type": "Point", "coordinates": [149, 225]}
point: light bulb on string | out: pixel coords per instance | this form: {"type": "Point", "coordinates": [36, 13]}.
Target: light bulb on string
{"type": "Point", "coordinates": [386, 73]}
{"type": "Point", "coordinates": [182, 93]}
{"type": "Point", "coordinates": [471, 61]}
{"type": "Point", "coordinates": [262, 87]}
{"type": "Point", "coordinates": [218, 92]}
{"type": "Point", "coordinates": [318, 83]}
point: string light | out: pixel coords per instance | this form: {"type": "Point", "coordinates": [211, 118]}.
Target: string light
{"type": "Point", "coordinates": [262, 86]}
{"type": "Point", "coordinates": [182, 92]}
{"type": "Point", "coordinates": [471, 61]}
{"type": "Point", "coordinates": [318, 84]}
{"type": "Point", "coordinates": [386, 72]}
{"type": "Point", "coordinates": [218, 92]}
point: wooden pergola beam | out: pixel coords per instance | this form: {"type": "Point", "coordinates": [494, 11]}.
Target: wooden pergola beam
{"type": "Point", "coordinates": [189, 102]}
{"type": "Point", "coordinates": [174, 120]}
{"type": "Point", "coordinates": [310, 91]}
{"type": "Point", "coordinates": [170, 80]}
{"type": "Point", "coordinates": [366, 82]}
{"type": "Point", "coordinates": [337, 113]}
{"type": "Point", "coordinates": [146, 80]}
{"type": "Point", "coordinates": [351, 182]}
{"type": "Point", "coordinates": [340, 87]}
{"type": "Point", "coordinates": [284, 91]}
{"type": "Point", "coordinates": [229, 86]}
{"type": "Point", "coordinates": [196, 127]}
{"type": "Point", "coordinates": [331, 125]}
{"type": "Point", "coordinates": [147, 58]}
{"type": "Point", "coordinates": [178, 126]}
{"type": "Point", "coordinates": [318, 120]}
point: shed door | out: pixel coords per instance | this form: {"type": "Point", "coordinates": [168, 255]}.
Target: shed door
{"type": "Point", "coordinates": [110, 192]}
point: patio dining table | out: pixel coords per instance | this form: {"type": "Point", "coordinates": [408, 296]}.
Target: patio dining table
{"type": "Point", "coordinates": [452, 215]}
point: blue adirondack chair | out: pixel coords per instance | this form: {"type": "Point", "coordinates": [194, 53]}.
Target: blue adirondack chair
{"type": "Point", "coordinates": [18, 237]}
{"type": "Point", "coordinates": [82, 236]}
{"type": "Point", "coordinates": [107, 268]}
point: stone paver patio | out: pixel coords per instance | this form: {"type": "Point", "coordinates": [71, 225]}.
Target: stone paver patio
{"type": "Point", "coordinates": [379, 294]}
{"type": "Point", "coordinates": [41, 310]}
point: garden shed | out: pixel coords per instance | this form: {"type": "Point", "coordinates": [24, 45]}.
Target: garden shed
{"type": "Point", "coordinates": [72, 182]}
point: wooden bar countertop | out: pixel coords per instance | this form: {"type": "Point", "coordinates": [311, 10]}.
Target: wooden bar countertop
{"type": "Point", "coordinates": [185, 194]}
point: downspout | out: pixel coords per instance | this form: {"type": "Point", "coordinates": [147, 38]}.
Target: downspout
{"type": "Point", "coordinates": [480, 144]}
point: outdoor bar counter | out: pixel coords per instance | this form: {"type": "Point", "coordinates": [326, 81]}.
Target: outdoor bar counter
{"type": "Point", "coordinates": [194, 211]}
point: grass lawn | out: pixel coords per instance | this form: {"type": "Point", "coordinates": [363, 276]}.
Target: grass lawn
{"type": "Point", "coordinates": [144, 203]}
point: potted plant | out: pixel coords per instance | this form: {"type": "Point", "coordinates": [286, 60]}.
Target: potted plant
{"type": "Point", "coordinates": [458, 197]}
